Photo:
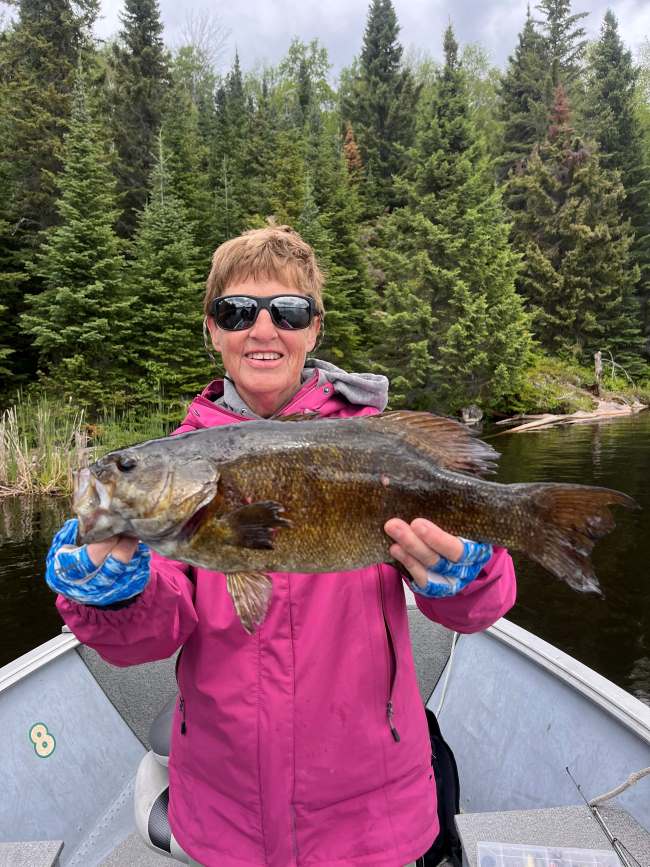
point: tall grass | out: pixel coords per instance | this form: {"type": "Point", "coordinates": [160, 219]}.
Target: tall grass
{"type": "Point", "coordinates": [42, 442]}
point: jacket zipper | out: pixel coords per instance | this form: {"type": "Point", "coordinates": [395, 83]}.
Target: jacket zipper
{"type": "Point", "coordinates": [182, 710]}
{"type": "Point", "coordinates": [392, 666]}
{"type": "Point", "coordinates": [181, 703]}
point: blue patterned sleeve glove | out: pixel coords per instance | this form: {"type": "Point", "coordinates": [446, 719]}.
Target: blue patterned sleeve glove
{"type": "Point", "coordinates": [447, 578]}
{"type": "Point", "coordinates": [70, 571]}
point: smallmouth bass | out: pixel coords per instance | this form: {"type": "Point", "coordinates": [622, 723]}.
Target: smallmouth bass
{"type": "Point", "coordinates": [287, 495]}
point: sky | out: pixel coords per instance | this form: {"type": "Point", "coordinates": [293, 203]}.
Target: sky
{"type": "Point", "coordinates": [261, 30]}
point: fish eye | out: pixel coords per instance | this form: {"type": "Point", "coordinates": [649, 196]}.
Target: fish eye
{"type": "Point", "coordinates": [125, 463]}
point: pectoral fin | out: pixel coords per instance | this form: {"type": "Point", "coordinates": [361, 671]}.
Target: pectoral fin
{"type": "Point", "coordinates": [251, 594]}
{"type": "Point", "coordinates": [253, 525]}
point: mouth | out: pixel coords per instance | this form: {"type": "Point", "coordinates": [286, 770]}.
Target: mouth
{"type": "Point", "coordinates": [263, 359]}
{"type": "Point", "coordinates": [91, 501]}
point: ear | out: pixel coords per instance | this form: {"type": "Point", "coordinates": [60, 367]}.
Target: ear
{"type": "Point", "coordinates": [314, 331]}
{"type": "Point", "coordinates": [215, 333]}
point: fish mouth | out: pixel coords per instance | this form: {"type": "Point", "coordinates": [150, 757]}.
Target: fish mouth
{"type": "Point", "coordinates": [91, 501]}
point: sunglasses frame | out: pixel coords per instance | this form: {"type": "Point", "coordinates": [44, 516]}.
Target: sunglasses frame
{"type": "Point", "coordinates": [264, 303]}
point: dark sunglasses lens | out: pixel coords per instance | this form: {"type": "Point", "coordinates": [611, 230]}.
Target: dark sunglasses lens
{"type": "Point", "coordinates": [234, 313]}
{"type": "Point", "coordinates": [291, 312]}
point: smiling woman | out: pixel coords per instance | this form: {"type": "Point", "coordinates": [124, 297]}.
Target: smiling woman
{"type": "Point", "coordinates": [264, 350]}
{"type": "Point", "coordinates": [303, 740]}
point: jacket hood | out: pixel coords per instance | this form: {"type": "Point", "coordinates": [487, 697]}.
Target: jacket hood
{"type": "Point", "coordinates": [326, 389]}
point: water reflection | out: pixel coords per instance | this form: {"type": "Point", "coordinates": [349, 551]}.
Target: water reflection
{"type": "Point", "coordinates": [610, 634]}
{"type": "Point", "coordinates": [27, 613]}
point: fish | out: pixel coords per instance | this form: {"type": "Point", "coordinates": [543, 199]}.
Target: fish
{"type": "Point", "coordinates": [299, 494]}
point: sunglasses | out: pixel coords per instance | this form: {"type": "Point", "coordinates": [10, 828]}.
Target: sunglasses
{"type": "Point", "coordinates": [239, 312]}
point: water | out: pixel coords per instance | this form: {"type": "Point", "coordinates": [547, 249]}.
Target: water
{"type": "Point", "coordinates": [610, 634]}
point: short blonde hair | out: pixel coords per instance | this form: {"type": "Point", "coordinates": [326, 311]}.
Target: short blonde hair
{"type": "Point", "coordinates": [273, 253]}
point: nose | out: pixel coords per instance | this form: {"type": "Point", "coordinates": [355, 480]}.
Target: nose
{"type": "Point", "coordinates": [263, 327]}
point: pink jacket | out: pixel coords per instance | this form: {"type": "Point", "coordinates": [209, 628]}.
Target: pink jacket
{"type": "Point", "coordinates": [282, 749]}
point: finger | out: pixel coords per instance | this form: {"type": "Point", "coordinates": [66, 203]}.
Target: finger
{"type": "Point", "coordinates": [410, 542]}
{"type": "Point", "coordinates": [125, 549]}
{"type": "Point", "coordinates": [434, 537]}
{"type": "Point", "coordinates": [416, 570]}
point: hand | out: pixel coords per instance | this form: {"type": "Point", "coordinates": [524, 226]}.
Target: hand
{"type": "Point", "coordinates": [120, 547]}
{"type": "Point", "coordinates": [99, 574]}
{"type": "Point", "coordinates": [440, 564]}
{"type": "Point", "coordinates": [420, 545]}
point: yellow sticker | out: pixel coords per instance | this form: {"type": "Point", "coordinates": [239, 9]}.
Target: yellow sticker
{"type": "Point", "coordinates": [43, 740]}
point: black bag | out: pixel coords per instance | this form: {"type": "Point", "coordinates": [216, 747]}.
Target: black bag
{"type": "Point", "coordinates": [447, 843]}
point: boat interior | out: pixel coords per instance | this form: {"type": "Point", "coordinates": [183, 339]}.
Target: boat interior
{"type": "Point", "coordinates": [536, 735]}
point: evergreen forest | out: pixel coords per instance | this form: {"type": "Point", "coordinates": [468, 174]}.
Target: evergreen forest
{"type": "Point", "coordinates": [475, 224]}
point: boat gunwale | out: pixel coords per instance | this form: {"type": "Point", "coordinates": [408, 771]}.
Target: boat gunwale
{"type": "Point", "coordinates": [36, 658]}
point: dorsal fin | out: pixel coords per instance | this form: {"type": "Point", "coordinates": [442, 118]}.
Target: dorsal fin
{"type": "Point", "coordinates": [446, 441]}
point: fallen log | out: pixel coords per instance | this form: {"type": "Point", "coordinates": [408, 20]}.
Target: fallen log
{"type": "Point", "coordinates": [604, 410]}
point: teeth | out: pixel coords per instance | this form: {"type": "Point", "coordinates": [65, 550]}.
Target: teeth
{"type": "Point", "coordinates": [264, 356]}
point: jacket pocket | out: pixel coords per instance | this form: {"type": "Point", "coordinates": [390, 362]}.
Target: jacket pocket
{"type": "Point", "coordinates": [393, 661]}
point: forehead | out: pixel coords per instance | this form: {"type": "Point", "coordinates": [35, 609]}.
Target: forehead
{"type": "Point", "coordinates": [261, 288]}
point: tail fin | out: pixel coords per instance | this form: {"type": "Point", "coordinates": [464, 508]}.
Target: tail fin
{"type": "Point", "coordinates": [570, 519]}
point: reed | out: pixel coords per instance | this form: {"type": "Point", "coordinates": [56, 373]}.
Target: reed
{"type": "Point", "coordinates": [43, 443]}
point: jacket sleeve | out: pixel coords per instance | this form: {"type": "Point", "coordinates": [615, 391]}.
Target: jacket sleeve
{"type": "Point", "coordinates": [489, 596]}
{"type": "Point", "coordinates": [152, 627]}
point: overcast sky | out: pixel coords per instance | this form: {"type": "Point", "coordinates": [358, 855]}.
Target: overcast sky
{"type": "Point", "coordinates": [261, 30]}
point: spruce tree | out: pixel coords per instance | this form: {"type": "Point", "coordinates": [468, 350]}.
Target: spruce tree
{"type": "Point", "coordinates": [5, 347]}
{"type": "Point", "coordinates": [565, 42]}
{"type": "Point", "coordinates": [166, 345]}
{"type": "Point", "coordinates": [449, 246]}
{"type": "Point", "coordinates": [78, 322]}
{"type": "Point", "coordinates": [577, 277]}
{"type": "Point", "coordinates": [39, 53]}
{"type": "Point", "coordinates": [609, 116]}
{"type": "Point", "coordinates": [523, 99]}
{"type": "Point", "coordinates": [188, 161]}
{"type": "Point", "coordinates": [139, 80]}
{"type": "Point", "coordinates": [380, 105]}
{"type": "Point", "coordinates": [230, 181]}
{"type": "Point", "coordinates": [348, 296]}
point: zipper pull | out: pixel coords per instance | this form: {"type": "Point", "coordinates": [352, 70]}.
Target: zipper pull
{"type": "Point", "coordinates": [182, 710]}
{"type": "Point", "coordinates": [393, 730]}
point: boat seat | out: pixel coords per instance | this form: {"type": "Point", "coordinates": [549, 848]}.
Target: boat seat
{"type": "Point", "coordinates": [37, 853]}
{"type": "Point", "coordinates": [160, 731]}
{"type": "Point", "coordinates": [151, 796]}
{"type": "Point", "coordinates": [560, 827]}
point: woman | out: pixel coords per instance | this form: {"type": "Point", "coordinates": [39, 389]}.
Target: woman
{"type": "Point", "coordinates": [305, 743]}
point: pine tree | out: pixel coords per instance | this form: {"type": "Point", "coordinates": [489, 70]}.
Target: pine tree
{"type": "Point", "coordinates": [139, 80]}
{"type": "Point", "coordinates": [449, 247]}
{"type": "Point", "coordinates": [565, 42]}
{"type": "Point", "coordinates": [610, 118]}
{"type": "Point", "coordinates": [166, 346]}
{"type": "Point", "coordinates": [577, 279]}
{"type": "Point", "coordinates": [381, 106]}
{"type": "Point", "coordinates": [79, 320]}
{"type": "Point", "coordinates": [523, 99]}
{"type": "Point", "coordinates": [39, 53]}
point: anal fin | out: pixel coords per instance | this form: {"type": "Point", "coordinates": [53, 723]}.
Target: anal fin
{"type": "Point", "coordinates": [251, 594]}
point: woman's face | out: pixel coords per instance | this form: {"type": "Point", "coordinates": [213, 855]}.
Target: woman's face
{"type": "Point", "coordinates": [264, 362]}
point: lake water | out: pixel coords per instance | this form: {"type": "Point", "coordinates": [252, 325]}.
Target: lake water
{"type": "Point", "coordinates": [609, 634]}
